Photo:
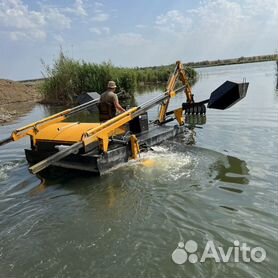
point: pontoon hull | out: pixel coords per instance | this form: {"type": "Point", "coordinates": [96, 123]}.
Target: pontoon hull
{"type": "Point", "coordinates": [100, 163]}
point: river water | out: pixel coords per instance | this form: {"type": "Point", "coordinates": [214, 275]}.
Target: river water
{"type": "Point", "coordinates": [217, 183]}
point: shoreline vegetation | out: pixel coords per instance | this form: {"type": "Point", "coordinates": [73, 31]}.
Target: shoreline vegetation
{"type": "Point", "coordinates": [150, 76]}
{"type": "Point", "coordinates": [18, 97]}
{"type": "Point", "coordinates": [200, 64]}
{"type": "Point", "coordinates": [67, 78]}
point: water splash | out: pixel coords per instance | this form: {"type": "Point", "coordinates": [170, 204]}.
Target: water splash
{"type": "Point", "coordinates": [167, 163]}
{"type": "Point", "coordinates": [6, 168]}
{"type": "Point", "coordinates": [161, 162]}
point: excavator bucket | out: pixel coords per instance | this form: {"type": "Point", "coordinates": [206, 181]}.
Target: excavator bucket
{"type": "Point", "coordinates": [222, 98]}
{"type": "Point", "coordinates": [227, 95]}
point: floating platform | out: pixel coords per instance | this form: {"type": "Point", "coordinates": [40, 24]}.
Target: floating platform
{"type": "Point", "coordinates": [94, 161]}
{"type": "Point", "coordinates": [98, 147]}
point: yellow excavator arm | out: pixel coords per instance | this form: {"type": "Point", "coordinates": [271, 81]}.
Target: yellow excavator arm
{"type": "Point", "coordinates": [178, 74]}
{"type": "Point", "coordinates": [33, 128]}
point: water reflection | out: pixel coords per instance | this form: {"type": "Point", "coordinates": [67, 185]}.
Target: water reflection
{"type": "Point", "coordinates": [10, 112]}
{"type": "Point", "coordinates": [129, 102]}
{"type": "Point", "coordinates": [231, 189]}
{"type": "Point", "coordinates": [231, 170]}
{"type": "Point", "coordinates": [41, 188]}
{"type": "Point", "coordinates": [150, 88]}
{"type": "Point", "coordinates": [228, 208]}
{"type": "Point", "coordinates": [194, 120]}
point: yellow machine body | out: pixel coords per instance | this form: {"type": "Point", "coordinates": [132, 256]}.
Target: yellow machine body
{"type": "Point", "coordinates": [68, 132]}
{"type": "Point", "coordinates": [82, 135]}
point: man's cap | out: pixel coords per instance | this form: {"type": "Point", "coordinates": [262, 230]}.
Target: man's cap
{"type": "Point", "coordinates": [111, 84]}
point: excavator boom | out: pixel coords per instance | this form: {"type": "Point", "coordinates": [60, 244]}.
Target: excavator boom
{"type": "Point", "coordinates": [178, 74]}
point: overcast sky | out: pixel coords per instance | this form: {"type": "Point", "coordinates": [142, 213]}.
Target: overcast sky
{"type": "Point", "coordinates": [132, 33]}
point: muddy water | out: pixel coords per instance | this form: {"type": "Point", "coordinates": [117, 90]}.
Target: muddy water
{"type": "Point", "coordinates": [217, 183]}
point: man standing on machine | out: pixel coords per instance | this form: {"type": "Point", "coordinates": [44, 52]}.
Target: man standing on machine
{"type": "Point", "coordinates": [109, 103]}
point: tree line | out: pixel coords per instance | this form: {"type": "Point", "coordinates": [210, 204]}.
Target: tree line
{"type": "Point", "coordinates": [240, 60]}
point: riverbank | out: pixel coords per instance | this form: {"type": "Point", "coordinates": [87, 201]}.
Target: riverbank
{"type": "Point", "coordinates": [16, 99]}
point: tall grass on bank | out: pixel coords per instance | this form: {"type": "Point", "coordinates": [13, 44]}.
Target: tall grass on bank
{"type": "Point", "coordinates": [67, 78]}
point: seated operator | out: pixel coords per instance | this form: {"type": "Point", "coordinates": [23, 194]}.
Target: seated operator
{"type": "Point", "coordinates": [109, 103]}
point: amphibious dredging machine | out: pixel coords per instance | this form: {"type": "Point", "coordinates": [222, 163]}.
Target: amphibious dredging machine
{"type": "Point", "coordinates": [97, 147]}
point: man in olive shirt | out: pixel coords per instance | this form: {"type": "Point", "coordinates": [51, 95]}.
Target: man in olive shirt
{"type": "Point", "coordinates": [109, 103]}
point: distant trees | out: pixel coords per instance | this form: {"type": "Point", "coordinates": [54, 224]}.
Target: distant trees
{"type": "Point", "coordinates": [239, 60]}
